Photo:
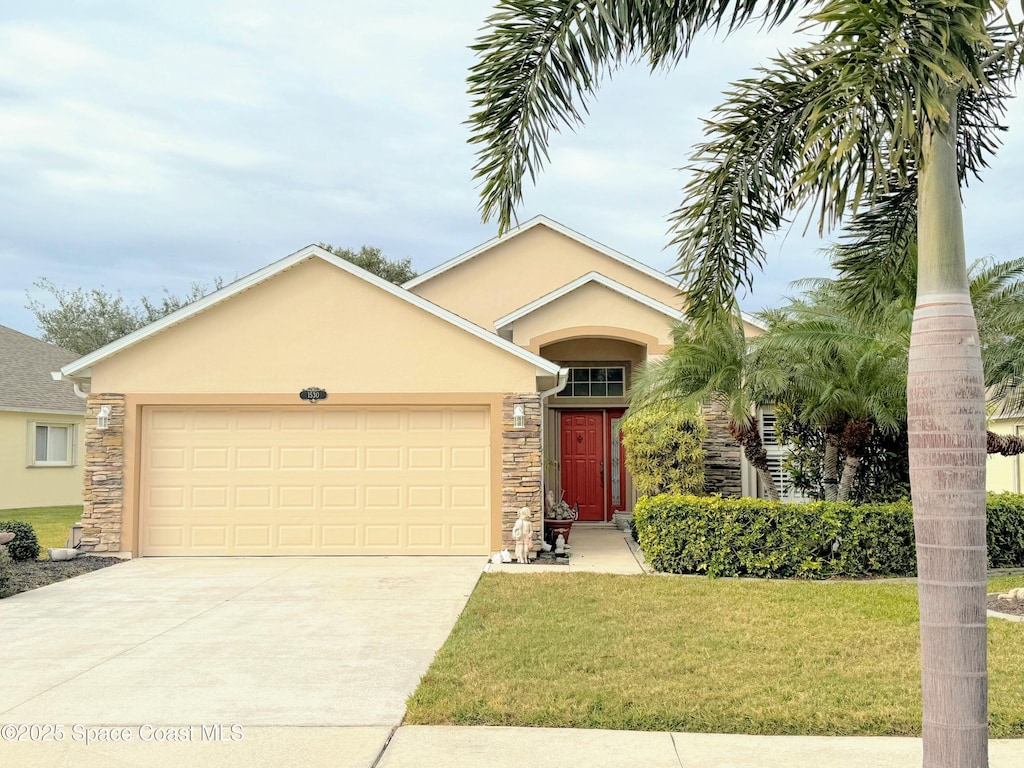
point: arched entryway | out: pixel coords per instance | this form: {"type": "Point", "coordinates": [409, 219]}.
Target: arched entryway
{"type": "Point", "coordinates": [584, 459]}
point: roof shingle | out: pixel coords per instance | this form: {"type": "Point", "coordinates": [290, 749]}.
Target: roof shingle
{"type": "Point", "coordinates": [25, 381]}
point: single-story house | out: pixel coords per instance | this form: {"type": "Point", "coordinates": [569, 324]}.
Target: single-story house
{"type": "Point", "coordinates": [433, 410]}
{"type": "Point", "coordinates": [42, 435]}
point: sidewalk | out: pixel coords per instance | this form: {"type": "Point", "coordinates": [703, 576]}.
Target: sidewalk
{"type": "Point", "coordinates": [422, 746]}
{"type": "Point", "coordinates": [596, 548]}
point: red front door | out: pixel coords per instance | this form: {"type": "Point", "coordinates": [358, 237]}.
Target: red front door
{"type": "Point", "coordinates": [582, 434]}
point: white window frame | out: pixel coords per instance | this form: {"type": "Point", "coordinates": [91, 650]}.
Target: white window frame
{"type": "Point", "coordinates": [72, 442]}
{"type": "Point", "coordinates": [591, 367]}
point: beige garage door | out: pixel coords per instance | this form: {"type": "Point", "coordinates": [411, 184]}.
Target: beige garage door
{"type": "Point", "coordinates": [314, 480]}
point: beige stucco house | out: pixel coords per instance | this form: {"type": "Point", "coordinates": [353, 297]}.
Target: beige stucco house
{"type": "Point", "coordinates": [42, 435]}
{"type": "Point", "coordinates": [450, 402]}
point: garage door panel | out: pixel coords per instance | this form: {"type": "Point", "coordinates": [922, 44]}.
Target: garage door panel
{"type": "Point", "coordinates": [252, 537]}
{"type": "Point", "coordinates": [469, 536]}
{"type": "Point", "coordinates": [315, 480]}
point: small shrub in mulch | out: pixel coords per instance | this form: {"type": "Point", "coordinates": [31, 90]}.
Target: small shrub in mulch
{"type": "Point", "coordinates": [25, 545]}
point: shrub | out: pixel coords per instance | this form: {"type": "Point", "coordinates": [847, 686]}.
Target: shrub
{"type": "Point", "coordinates": [1005, 530]}
{"type": "Point", "coordinates": [25, 545]}
{"type": "Point", "coordinates": [664, 449]}
{"type": "Point", "coordinates": [5, 571]}
{"type": "Point", "coordinates": [753, 537]}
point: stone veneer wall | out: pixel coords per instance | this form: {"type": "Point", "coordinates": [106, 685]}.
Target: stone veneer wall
{"type": "Point", "coordinates": [520, 465]}
{"type": "Point", "coordinates": [104, 476]}
{"type": "Point", "coordinates": [722, 466]}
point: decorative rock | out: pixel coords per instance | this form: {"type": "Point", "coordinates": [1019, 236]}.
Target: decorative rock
{"type": "Point", "coordinates": [104, 476]}
{"type": "Point", "coordinates": [521, 477]}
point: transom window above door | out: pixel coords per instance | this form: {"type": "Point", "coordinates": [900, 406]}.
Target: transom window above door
{"type": "Point", "coordinates": [595, 381]}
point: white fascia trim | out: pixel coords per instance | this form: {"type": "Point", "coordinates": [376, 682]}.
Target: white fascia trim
{"type": "Point", "coordinates": [45, 411]}
{"type": "Point", "coordinates": [749, 318]}
{"type": "Point", "coordinates": [310, 251]}
{"type": "Point", "coordinates": [550, 224]}
{"type": "Point", "coordinates": [579, 282]}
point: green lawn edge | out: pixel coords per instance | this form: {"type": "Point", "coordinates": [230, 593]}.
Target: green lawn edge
{"type": "Point", "coordinates": [657, 653]}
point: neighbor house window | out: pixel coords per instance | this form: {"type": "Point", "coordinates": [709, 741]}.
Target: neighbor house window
{"type": "Point", "coordinates": [593, 381]}
{"type": "Point", "coordinates": [51, 445]}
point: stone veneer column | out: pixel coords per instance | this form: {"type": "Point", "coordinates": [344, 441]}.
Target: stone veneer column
{"type": "Point", "coordinates": [104, 476]}
{"type": "Point", "coordinates": [520, 464]}
{"type": "Point", "coordinates": [722, 467]}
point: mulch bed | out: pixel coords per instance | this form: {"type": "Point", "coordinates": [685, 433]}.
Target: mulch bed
{"type": "Point", "coordinates": [1013, 607]}
{"type": "Point", "coordinates": [31, 574]}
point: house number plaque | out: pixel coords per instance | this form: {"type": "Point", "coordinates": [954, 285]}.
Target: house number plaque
{"type": "Point", "coordinates": [313, 394]}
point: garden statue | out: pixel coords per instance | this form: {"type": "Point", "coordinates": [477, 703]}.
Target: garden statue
{"type": "Point", "coordinates": [522, 532]}
{"type": "Point", "coordinates": [560, 545]}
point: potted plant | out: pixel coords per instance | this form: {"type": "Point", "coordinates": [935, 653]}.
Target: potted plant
{"type": "Point", "coordinates": [558, 518]}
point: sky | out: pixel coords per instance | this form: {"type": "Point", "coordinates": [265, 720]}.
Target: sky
{"type": "Point", "coordinates": [149, 145]}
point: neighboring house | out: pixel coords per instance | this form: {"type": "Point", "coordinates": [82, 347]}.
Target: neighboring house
{"type": "Point", "coordinates": [41, 425]}
{"type": "Point", "coordinates": [1004, 472]}
{"type": "Point", "coordinates": [451, 402]}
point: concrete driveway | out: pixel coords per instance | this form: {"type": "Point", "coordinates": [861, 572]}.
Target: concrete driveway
{"type": "Point", "coordinates": [305, 655]}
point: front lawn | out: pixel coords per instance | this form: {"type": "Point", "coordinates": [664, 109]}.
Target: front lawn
{"type": "Point", "coordinates": [52, 524]}
{"type": "Point", "coordinates": [701, 655]}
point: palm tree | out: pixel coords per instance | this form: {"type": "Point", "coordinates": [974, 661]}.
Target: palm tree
{"type": "Point", "coordinates": [889, 91]}
{"type": "Point", "coordinates": [707, 366]}
{"type": "Point", "coordinates": [838, 354]}
{"type": "Point", "coordinates": [846, 373]}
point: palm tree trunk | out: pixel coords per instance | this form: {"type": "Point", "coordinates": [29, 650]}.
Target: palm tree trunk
{"type": "Point", "coordinates": [946, 425]}
{"type": "Point", "coordinates": [749, 438]}
{"type": "Point", "coordinates": [830, 463]}
{"type": "Point", "coordinates": [853, 442]}
{"type": "Point", "coordinates": [1006, 445]}
{"type": "Point", "coordinates": [850, 468]}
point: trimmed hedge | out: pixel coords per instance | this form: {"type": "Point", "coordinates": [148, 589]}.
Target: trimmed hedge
{"type": "Point", "coordinates": [25, 545]}
{"type": "Point", "coordinates": [1005, 530]}
{"type": "Point", "coordinates": [753, 537]}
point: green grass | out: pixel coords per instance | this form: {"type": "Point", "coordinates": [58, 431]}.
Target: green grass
{"type": "Point", "coordinates": [700, 655]}
{"type": "Point", "coordinates": [51, 524]}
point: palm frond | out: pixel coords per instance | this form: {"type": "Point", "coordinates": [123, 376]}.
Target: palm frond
{"type": "Point", "coordinates": [540, 60]}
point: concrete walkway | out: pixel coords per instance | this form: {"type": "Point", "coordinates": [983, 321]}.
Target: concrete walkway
{"type": "Point", "coordinates": [448, 746]}
{"type": "Point", "coordinates": [596, 548]}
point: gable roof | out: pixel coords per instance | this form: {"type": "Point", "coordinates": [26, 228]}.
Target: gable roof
{"type": "Point", "coordinates": [25, 381]}
{"type": "Point", "coordinates": [79, 368]}
{"type": "Point", "coordinates": [607, 282]}
{"type": "Point", "coordinates": [526, 226]}
{"type": "Point", "coordinates": [579, 282]}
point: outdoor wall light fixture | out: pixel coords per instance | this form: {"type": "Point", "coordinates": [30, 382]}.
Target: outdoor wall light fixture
{"type": "Point", "coordinates": [103, 417]}
{"type": "Point", "coordinates": [518, 416]}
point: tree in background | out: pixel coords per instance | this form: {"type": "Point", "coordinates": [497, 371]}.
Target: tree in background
{"type": "Point", "coordinates": [664, 448]}
{"type": "Point", "coordinates": [890, 96]}
{"type": "Point", "coordinates": [83, 320]}
{"type": "Point", "coordinates": [371, 259]}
